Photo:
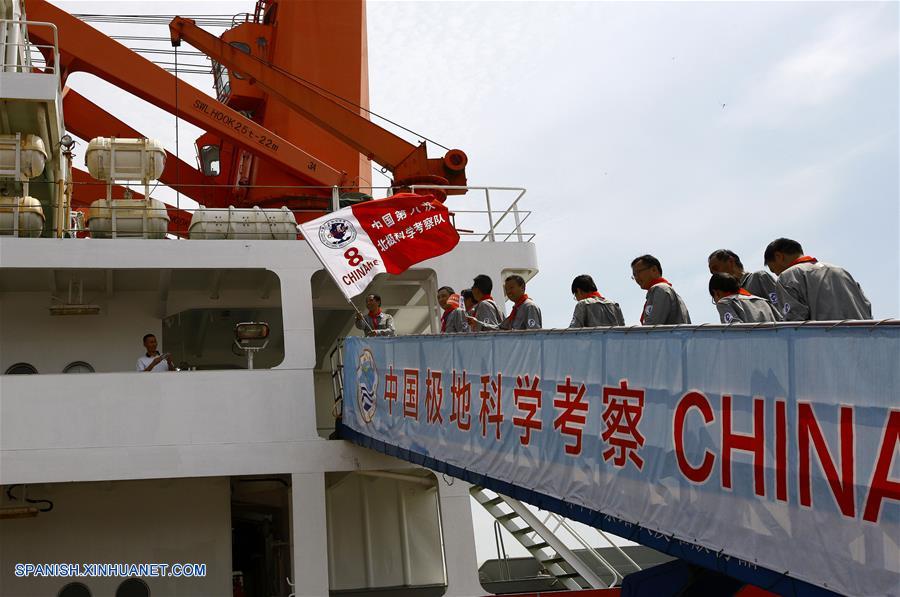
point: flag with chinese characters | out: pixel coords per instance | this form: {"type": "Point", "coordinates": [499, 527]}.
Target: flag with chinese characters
{"type": "Point", "coordinates": [383, 236]}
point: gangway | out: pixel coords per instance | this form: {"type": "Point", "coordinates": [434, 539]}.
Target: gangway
{"type": "Point", "coordinates": [545, 546]}
{"type": "Point", "coordinates": [767, 453]}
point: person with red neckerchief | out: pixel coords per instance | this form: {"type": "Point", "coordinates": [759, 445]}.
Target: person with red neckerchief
{"type": "Point", "coordinates": [593, 309]}
{"type": "Point", "coordinates": [663, 305]}
{"type": "Point", "coordinates": [736, 304]}
{"type": "Point", "coordinates": [761, 283]}
{"type": "Point", "coordinates": [810, 290]}
{"type": "Point", "coordinates": [453, 319]}
{"type": "Point", "coordinates": [487, 313]}
{"type": "Point", "coordinates": [525, 314]}
{"type": "Point", "coordinates": [377, 323]}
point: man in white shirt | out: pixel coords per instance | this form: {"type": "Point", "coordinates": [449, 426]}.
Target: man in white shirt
{"type": "Point", "coordinates": [151, 361]}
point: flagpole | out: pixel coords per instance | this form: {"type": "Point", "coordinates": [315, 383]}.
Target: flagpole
{"type": "Point", "coordinates": [361, 316]}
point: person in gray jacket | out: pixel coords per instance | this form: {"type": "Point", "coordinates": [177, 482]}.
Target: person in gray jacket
{"type": "Point", "coordinates": [663, 305]}
{"type": "Point", "coordinates": [453, 319]}
{"type": "Point", "coordinates": [525, 314]}
{"type": "Point", "coordinates": [759, 283]}
{"type": "Point", "coordinates": [813, 291]}
{"type": "Point", "coordinates": [487, 313]}
{"type": "Point", "coordinates": [592, 309]}
{"type": "Point", "coordinates": [736, 305]}
{"type": "Point", "coordinates": [377, 323]}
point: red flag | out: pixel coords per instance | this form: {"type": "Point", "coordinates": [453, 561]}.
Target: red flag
{"type": "Point", "coordinates": [406, 229]}
{"type": "Point", "coordinates": [386, 235]}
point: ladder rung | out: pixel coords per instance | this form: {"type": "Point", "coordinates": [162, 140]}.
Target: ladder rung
{"type": "Point", "coordinates": [493, 501]}
{"type": "Point", "coordinates": [556, 560]}
{"type": "Point", "coordinates": [540, 545]}
{"type": "Point", "coordinates": [568, 575]}
{"type": "Point", "coordinates": [523, 531]}
{"type": "Point", "coordinates": [509, 516]}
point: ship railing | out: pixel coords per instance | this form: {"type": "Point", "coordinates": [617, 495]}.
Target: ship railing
{"type": "Point", "coordinates": [19, 55]}
{"type": "Point", "coordinates": [483, 214]}
{"type": "Point", "coordinates": [495, 217]}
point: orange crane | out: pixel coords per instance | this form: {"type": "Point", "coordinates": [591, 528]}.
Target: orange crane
{"type": "Point", "coordinates": [292, 49]}
{"type": "Point", "coordinates": [409, 163]}
{"type": "Point", "coordinates": [83, 48]}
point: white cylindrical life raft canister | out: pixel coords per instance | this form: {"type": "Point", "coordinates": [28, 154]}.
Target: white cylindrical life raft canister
{"type": "Point", "coordinates": [134, 218]}
{"type": "Point", "coordinates": [31, 216]}
{"type": "Point", "coordinates": [32, 155]}
{"type": "Point", "coordinates": [243, 224]}
{"type": "Point", "coordinates": [125, 159]}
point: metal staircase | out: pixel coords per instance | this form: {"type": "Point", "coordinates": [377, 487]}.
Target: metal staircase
{"type": "Point", "coordinates": [547, 548]}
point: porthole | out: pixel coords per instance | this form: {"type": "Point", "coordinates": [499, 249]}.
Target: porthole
{"type": "Point", "coordinates": [78, 367]}
{"type": "Point", "coordinates": [22, 369]}
{"type": "Point", "coordinates": [133, 587]}
{"type": "Point", "coordinates": [74, 589]}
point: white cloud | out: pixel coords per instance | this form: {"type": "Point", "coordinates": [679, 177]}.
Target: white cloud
{"type": "Point", "coordinates": [846, 48]}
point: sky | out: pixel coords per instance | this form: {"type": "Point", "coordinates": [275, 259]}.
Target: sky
{"type": "Point", "coordinates": [673, 129]}
{"type": "Point", "coordinates": [666, 128]}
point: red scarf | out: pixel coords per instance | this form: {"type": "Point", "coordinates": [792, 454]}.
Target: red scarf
{"type": "Point", "coordinates": [374, 317]}
{"type": "Point", "coordinates": [447, 312]}
{"type": "Point", "coordinates": [653, 283]}
{"type": "Point", "coordinates": [516, 305]}
{"type": "Point", "coordinates": [741, 291]}
{"type": "Point", "coordinates": [594, 294]}
{"type": "Point", "coordinates": [804, 259]}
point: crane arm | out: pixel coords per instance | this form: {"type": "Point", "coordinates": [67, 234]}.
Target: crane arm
{"type": "Point", "coordinates": [83, 48]}
{"type": "Point", "coordinates": [408, 162]}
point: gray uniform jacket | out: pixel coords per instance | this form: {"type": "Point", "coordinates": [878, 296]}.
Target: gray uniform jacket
{"type": "Point", "coordinates": [488, 315]}
{"type": "Point", "coordinates": [761, 284]}
{"type": "Point", "coordinates": [455, 322]}
{"type": "Point", "coordinates": [595, 312]}
{"type": "Point", "coordinates": [384, 325]}
{"type": "Point", "coordinates": [740, 308]}
{"type": "Point", "coordinates": [821, 292]}
{"type": "Point", "coordinates": [664, 306]}
{"type": "Point", "coordinates": [528, 317]}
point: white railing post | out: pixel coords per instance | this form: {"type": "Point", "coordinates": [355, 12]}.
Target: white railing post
{"type": "Point", "coordinates": [335, 198]}
{"type": "Point", "coordinates": [490, 215]}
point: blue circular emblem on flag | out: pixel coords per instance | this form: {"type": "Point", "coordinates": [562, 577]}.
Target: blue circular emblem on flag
{"type": "Point", "coordinates": [366, 385]}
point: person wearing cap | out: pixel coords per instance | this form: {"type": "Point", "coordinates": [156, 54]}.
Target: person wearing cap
{"type": "Point", "coordinates": [592, 309]}
{"type": "Point", "coordinates": [810, 290]}
{"type": "Point", "coordinates": [525, 314]}
{"type": "Point", "coordinates": [663, 306]}
{"type": "Point", "coordinates": [453, 319]}
{"type": "Point", "coordinates": [487, 314]}
{"type": "Point", "coordinates": [377, 323]}
{"type": "Point", "coordinates": [759, 283]}
{"type": "Point", "coordinates": [736, 305]}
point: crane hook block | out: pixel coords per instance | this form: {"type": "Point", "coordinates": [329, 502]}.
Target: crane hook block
{"type": "Point", "coordinates": [456, 160]}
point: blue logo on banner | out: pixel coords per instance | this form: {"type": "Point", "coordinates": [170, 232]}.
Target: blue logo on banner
{"type": "Point", "coordinates": [366, 384]}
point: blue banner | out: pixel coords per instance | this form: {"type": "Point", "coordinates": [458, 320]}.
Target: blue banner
{"type": "Point", "coordinates": [778, 448]}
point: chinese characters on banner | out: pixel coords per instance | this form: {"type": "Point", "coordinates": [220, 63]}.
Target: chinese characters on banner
{"type": "Point", "coordinates": [610, 423]}
{"type": "Point", "coordinates": [383, 236]}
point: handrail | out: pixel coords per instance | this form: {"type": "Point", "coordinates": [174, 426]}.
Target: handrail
{"type": "Point", "coordinates": [562, 522]}
{"type": "Point", "coordinates": [513, 208]}
{"type": "Point", "coordinates": [24, 24]}
{"type": "Point", "coordinates": [502, 562]}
